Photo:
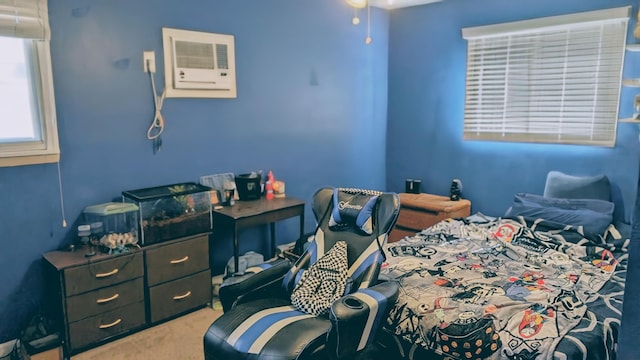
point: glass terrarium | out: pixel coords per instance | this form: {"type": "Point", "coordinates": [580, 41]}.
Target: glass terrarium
{"type": "Point", "coordinates": [111, 225]}
{"type": "Point", "coordinates": [171, 211]}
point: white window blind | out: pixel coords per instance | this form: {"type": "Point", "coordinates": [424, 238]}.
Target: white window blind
{"type": "Point", "coordinates": [552, 80]}
{"type": "Point", "coordinates": [24, 19]}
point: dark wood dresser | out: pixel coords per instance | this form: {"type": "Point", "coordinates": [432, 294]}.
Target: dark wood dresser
{"type": "Point", "coordinates": [178, 276]}
{"type": "Point", "coordinates": [107, 296]}
{"type": "Point", "coordinates": [419, 211]}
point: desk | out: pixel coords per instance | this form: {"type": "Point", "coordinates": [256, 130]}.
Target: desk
{"type": "Point", "coordinates": [246, 214]}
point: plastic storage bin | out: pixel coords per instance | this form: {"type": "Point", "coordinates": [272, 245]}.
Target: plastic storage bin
{"type": "Point", "coordinates": [248, 186]}
{"type": "Point", "coordinates": [171, 211]}
{"type": "Point", "coordinates": [112, 225]}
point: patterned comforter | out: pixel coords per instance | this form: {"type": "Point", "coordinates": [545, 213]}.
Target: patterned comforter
{"type": "Point", "coordinates": [507, 289]}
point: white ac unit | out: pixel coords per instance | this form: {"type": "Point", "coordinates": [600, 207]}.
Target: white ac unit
{"type": "Point", "coordinates": [199, 61]}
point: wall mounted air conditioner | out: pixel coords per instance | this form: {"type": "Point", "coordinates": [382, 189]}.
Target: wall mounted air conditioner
{"type": "Point", "coordinates": [199, 64]}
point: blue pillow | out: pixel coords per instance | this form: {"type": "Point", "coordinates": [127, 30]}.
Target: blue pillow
{"type": "Point", "coordinates": [594, 215]}
{"type": "Point", "coordinates": [352, 209]}
{"type": "Point", "coordinates": [560, 185]}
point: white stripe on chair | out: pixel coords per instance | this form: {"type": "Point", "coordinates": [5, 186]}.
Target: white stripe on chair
{"type": "Point", "coordinates": [373, 311]}
{"type": "Point", "coordinates": [372, 248]}
{"type": "Point", "coordinates": [267, 335]}
{"type": "Point", "coordinates": [319, 239]}
{"type": "Point", "coordinates": [242, 328]}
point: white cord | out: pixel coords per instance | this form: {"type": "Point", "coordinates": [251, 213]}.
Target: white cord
{"type": "Point", "coordinates": [64, 217]}
{"type": "Point", "coordinates": [157, 125]}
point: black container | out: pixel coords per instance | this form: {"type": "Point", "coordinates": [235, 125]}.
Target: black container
{"type": "Point", "coordinates": [248, 186]}
{"type": "Point", "coordinates": [172, 211]}
{"type": "Point", "coordinates": [412, 186]}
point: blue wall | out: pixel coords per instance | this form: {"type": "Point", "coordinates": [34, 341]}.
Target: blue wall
{"type": "Point", "coordinates": [427, 58]}
{"type": "Point", "coordinates": [311, 106]}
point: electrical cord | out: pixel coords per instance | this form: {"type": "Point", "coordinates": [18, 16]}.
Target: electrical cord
{"type": "Point", "coordinates": [157, 125]}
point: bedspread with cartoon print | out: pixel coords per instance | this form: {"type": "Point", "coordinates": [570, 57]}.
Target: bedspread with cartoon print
{"type": "Point", "coordinates": [508, 289]}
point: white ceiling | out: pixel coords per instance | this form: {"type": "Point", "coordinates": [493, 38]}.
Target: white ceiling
{"type": "Point", "coordinates": [394, 4]}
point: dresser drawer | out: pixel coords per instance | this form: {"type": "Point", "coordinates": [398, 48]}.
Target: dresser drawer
{"type": "Point", "coordinates": [418, 219]}
{"type": "Point", "coordinates": [105, 299]}
{"type": "Point", "coordinates": [178, 296]}
{"type": "Point", "coordinates": [95, 275]}
{"type": "Point", "coordinates": [85, 332]}
{"type": "Point", "coordinates": [173, 261]}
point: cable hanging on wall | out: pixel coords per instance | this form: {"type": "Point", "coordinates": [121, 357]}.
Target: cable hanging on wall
{"type": "Point", "coordinates": [156, 128]}
{"type": "Point", "coordinates": [64, 216]}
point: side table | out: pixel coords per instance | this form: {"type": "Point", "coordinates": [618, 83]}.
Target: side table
{"type": "Point", "coordinates": [419, 211]}
{"type": "Point", "coordinates": [251, 213]}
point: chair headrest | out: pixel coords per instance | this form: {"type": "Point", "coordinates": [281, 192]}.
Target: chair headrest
{"type": "Point", "coordinates": [383, 206]}
{"type": "Point", "coordinates": [353, 207]}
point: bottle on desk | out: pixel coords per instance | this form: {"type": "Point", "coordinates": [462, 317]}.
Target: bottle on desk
{"type": "Point", "coordinates": [269, 186]}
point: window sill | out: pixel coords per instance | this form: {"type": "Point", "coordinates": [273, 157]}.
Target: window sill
{"type": "Point", "coordinates": [29, 160]}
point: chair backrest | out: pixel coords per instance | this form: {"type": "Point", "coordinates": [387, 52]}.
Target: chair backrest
{"type": "Point", "coordinates": [361, 218]}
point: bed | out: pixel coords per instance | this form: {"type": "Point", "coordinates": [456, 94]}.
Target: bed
{"type": "Point", "coordinates": [545, 281]}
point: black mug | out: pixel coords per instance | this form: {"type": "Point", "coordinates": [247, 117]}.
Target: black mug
{"type": "Point", "coordinates": [412, 186]}
{"type": "Point", "coordinates": [408, 186]}
{"type": "Point", "coordinates": [228, 197]}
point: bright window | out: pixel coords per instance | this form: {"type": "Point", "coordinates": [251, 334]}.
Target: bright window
{"type": "Point", "coordinates": [551, 80]}
{"type": "Point", "coordinates": [28, 131]}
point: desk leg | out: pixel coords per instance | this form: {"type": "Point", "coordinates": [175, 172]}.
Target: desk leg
{"type": "Point", "coordinates": [302, 225]}
{"type": "Point", "coordinates": [235, 248]}
{"type": "Point", "coordinates": [273, 239]}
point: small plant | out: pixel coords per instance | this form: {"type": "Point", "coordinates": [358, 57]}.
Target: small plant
{"type": "Point", "coordinates": [186, 201]}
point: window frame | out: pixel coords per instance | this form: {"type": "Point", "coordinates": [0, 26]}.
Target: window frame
{"type": "Point", "coordinates": [32, 26]}
{"type": "Point", "coordinates": [481, 109]}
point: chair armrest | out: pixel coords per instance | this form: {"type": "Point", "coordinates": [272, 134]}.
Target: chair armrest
{"type": "Point", "coordinates": [355, 319]}
{"type": "Point", "coordinates": [255, 278]}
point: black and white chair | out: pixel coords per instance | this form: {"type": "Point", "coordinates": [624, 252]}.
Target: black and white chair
{"type": "Point", "coordinates": [278, 312]}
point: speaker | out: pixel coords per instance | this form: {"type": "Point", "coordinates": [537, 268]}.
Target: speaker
{"type": "Point", "coordinates": [456, 190]}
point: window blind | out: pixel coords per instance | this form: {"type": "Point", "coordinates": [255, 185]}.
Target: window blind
{"type": "Point", "coordinates": [24, 19]}
{"type": "Point", "coordinates": [552, 80]}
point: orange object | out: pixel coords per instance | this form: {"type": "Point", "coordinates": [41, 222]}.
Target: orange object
{"type": "Point", "coordinates": [269, 186]}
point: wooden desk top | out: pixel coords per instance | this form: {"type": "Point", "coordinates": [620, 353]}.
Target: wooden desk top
{"type": "Point", "coordinates": [248, 208]}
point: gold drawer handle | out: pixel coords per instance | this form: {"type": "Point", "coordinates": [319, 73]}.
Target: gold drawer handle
{"type": "Point", "coordinates": [180, 297]}
{"type": "Point", "coordinates": [110, 325]}
{"type": "Point", "coordinates": [112, 272]}
{"type": "Point", "coordinates": [102, 301]}
{"type": "Point", "coordinates": [180, 260]}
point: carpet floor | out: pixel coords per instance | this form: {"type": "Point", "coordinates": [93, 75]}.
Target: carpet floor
{"type": "Point", "coordinates": [180, 338]}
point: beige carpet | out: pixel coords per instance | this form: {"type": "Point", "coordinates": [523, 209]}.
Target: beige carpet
{"type": "Point", "coordinates": [180, 338]}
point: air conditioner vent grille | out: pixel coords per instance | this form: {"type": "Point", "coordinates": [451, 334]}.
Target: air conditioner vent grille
{"type": "Point", "coordinates": [221, 55]}
{"type": "Point", "coordinates": [194, 55]}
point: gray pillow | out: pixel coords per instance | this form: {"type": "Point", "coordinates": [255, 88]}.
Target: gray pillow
{"type": "Point", "coordinates": [594, 215]}
{"type": "Point", "coordinates": [560, 185]}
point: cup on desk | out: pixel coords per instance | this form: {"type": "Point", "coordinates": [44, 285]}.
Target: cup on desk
{"type": "Point", "coordinates": [228, 197]}
{"type": "Point", "coordinates": [412, 186]}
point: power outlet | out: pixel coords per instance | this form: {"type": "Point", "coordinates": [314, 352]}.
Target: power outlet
{"type": "Point", "coordinates": [149, 61]}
